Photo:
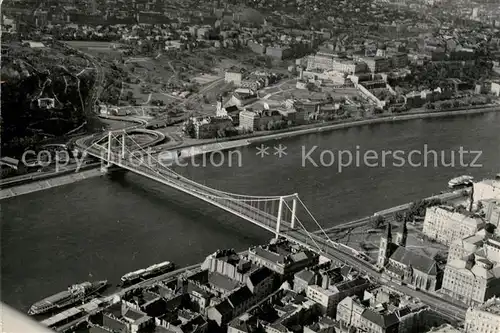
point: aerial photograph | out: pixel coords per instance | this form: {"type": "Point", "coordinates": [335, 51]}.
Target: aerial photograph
{"type": "Point", "coordinates": [250, 166]}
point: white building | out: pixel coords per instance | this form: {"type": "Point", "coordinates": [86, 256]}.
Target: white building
{"type": "Point", "coordinates": [495, 88]}
{"type": "Point", "coordinates": [487, 189]}
{"type": "Point", "coordinates": [491, 208]}
{"type": "Point", "coordinates": [324, 297]}
{"type": "Point", "coordinates": [349, 311]}
{"type": "Point", "coordinates": [474, 277]}
{"type": "Point", "coordinates": [327, 62]}
{"type": "Point", "coordinates": [234, 77]}
{"type": "Point", "coordinates": [484, 319]}
{"type": "Point", "coordinates": [445, 225]}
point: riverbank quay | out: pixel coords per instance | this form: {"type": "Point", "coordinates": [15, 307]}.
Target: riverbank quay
{"type": "Point", "coordinates": [388, 214]}
{"type": "Point", "coordinates": [71, 317]}
{"type": "Point", "coordinates": [208, 146]}
{"type": "Point", "coordinates": [74, 316]}
{"type": "Point", "coordinates": [55, 179]}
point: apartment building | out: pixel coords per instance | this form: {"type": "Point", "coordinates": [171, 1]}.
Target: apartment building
{"type": "Point", "coordinates": [328, 62]}
{"type": "Point", "coordinates": [484, 318]}
{"type": "Point", "coordinates": [234, 77]}
{"type": "Point", "coordinates": [475, 277]}
{"type": "Point", "coordinates": [491, 208]}
{"type": "Point", "coordinates": [446, 225]}
{"type": "Point", "coordinates": [487, 189]}
{"type": "Point", "coordinates": [258, 120]}
{"type": "Point", "coordinates": [324, 297]}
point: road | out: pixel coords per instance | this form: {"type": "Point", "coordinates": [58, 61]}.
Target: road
{"type": "Point", "coordinates": [97, 87]}
{"type": "Point", "coordinates": [333, 251]}
{"type": "Point", "coordinates": [388, 214]}
{"type": "Point", "coordinates": [54, 320]}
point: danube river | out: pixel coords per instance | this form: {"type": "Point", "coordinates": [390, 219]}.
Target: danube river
{"type": "Point", "coordinates": [102, 228]}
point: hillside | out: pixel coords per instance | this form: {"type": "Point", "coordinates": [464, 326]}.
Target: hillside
{"type": "Point", "coordinates": [33, 77]}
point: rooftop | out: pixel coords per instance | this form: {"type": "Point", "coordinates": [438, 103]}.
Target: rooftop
{"type": "Point", "coordinates": [492, 306]}
{"type": "Point", "coordinates": [379, 319]}
{"type": "Point", "coordinates": [415, 260]}
{"type": "Point", "coordinates": [446, 328]}
{"type": "Point", "coordinates": [222, 282]}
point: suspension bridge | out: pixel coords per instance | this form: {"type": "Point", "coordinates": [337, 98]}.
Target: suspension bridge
{"type": "Point", "coordinates": [284, 215]}
{"type": "Point", "coordinates": [276, 214]}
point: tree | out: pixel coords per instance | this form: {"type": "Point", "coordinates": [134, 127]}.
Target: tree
{"type": "Point", "coordinates": [189, 128]}
{"type": "Point", "coordinates": [329, 98]}
{"type": "Point", "coordinates": [490, 228]}
{"type": "Point", "coordinates": [311, 86]}
{"type": "Point", "coordinates": [399, 216]}
{"type": "Point", "coordinates": [377, 221]}
{"type": "Point", "coordinates": [221, 133]}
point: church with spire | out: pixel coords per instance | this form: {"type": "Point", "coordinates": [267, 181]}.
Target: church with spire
{"type": "Point", "coordinates": [404, 266]}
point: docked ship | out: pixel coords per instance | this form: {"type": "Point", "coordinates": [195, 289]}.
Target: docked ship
{"type": "Point", "coordinates": [460, 181]}
{"type": "Point", "coordinates": [75, 293]}
{"type": "Point", "coordinates": [145, 273]}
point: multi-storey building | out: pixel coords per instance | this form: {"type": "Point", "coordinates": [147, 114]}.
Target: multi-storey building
{"type": "Point", "coordinates": [280, 52]}
{"type": "Point", "coordinates": [399, 60]}
{"type": "Point", "coordinates": [328, 62]}
{"type": "Point", "coordinates": [234, 77]}
{"type": "Point", "coordinates": [475, 277]}
{"type": "Point", "coordinates": [206, 128]}
{"type": "Point", "coordinates": [256, 47]}
{"type": "Point", "coordinates": [462, 247]}
{"type": "Point", "coordinates": [324, 297]}
{"type": "Point", "coordinates": [492, 212]}
{"type": "Point", "coordinates": [230, 264]}
{"type": "Point", "coordinates": [280, 259]}
{"type": "Point", "coordinates": [484, 318]}
{"type": "Point", "coordinates": [349, 311]}
{"type": "Point", "coordinates": [243, 96]}
{"type": "Point", "coordinates": [487, 189]}
{"type": "Point", "coordinates": [329, 295]}
{"type": "Point", "coordinates": [446, 225]}
{"type": "Point", "coordinates": [376, 64]}
{"type": "Point", "coordinates": [258, 120]}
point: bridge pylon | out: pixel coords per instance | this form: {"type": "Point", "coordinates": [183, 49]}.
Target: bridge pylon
{"type": "Point", "coordinates": [109, 147]}
{"type": "Point", "coordinates": [278, 220]}
{"type": "Point", "coordinates": [294, 211]}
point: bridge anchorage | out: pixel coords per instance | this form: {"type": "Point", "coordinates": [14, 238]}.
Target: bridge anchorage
{"type": "Point", "coordinates": [282, 215]}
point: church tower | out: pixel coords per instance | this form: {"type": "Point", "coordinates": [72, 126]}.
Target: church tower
{"type": "Point", "coordinates": [220, 111]}
{"type": "Point", "coordinates": [385, 240]}
{"type": "Point", "coordinates": [219, 104]}
{"type": "Point", "coordinates": [402, 235]}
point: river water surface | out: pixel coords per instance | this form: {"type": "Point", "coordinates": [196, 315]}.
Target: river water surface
{"type": "Point", "coordinates": [102, 228]}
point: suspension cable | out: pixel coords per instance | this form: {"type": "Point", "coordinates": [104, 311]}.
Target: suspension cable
{"type": "Point", "coordinates": [314, 219]}
{"type": "Point", "coordinates": [303, 227]}
{"type": "Point", "coordinates": [228, 195]}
